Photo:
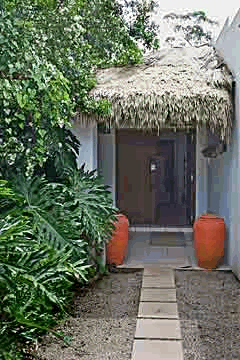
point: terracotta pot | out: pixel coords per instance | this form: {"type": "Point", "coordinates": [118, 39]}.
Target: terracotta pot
{"type": "Point", "coordinates": [209, 233]}
{"type": "Point", "coordinates": [117, 247]}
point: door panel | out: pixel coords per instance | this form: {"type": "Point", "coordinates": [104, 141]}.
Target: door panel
{"type": "Point", "coordinates": [161, 172]}
{"type": "Point", "coordinates": [161, 189]}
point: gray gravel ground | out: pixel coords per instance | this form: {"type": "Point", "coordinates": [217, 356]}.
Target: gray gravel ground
{"type": "Point", "coordinates": [209, 312]}
{"type": "Point", "coordinates": [103, 322]}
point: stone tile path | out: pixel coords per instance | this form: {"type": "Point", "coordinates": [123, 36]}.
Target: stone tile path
{"type": "Point", "coordinates": [158, 333]}
{"type": "Point", "coordinates": [140, 252]}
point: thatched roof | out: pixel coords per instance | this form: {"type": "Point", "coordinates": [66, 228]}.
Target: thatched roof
{"type": "Point", "coordinates": [178, 88]}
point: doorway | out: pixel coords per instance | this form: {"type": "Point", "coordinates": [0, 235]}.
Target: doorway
{"type": "Point", "coordinates": [155, 177]}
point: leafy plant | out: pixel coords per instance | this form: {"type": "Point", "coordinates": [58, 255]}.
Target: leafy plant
{"type": "Point", "coordinates": [137, 15]}
{"type": "Point", "coordinates": [40, 258]}
{"type": "Point", "coordinates": [88, 202]}
{"type": "Point", "coordinates": [54, 218]}
{"type": "Point", "coordinates": [46, 73]}
{"type": "Point", "coordinates": [38, 266]}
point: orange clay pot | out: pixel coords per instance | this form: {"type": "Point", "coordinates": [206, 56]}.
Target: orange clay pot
{"type": "Point", "coordinates": [209, 233]}
{"type": "Point", "coordinates": [117, 247]}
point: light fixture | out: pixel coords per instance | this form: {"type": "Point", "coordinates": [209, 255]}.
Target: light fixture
{"type": "Point", "coordinates": [213, 150]}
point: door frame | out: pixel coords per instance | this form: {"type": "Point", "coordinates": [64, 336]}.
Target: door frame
{"type": "Point", "coordinates": [165, 134]}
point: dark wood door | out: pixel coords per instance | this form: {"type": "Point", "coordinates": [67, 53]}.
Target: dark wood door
{"type": "Point", "coordinates": [161, 172]}
{"type": "Point", "coordinates": [151, 186]}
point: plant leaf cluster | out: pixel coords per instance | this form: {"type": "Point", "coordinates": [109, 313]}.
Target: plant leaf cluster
{"type": "Point", "coordinates": [54, 217]}
{"type": "Point", "coordinates": [137, 15]}
{"type": "Point", "coordinates": [48, 232]}
{"type": "Point", "coordinates": [48, 56]}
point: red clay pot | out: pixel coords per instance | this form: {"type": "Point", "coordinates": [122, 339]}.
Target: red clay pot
{"type": "Point", "coordinates": [117, 247]}
{"type": "Point", "coordinates": [209, 233]}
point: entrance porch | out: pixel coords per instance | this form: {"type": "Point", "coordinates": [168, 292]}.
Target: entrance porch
{"type": "Point", "coordinates": [155, 246]}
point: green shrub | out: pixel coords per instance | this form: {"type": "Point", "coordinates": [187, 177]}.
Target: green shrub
{"type": "Point", "coordinates": [88, 202]}
{"type": "Point", "coordinates": [47, 234]}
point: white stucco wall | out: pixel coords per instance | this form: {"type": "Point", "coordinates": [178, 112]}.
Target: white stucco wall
{"type": "Point", "coordinates": [98, 151]}
{"type": "Point", "coordinates": [88, 148]}
{"type": "Point", "coordinates": [229, 203]}
{"type": "Point", "coordinates": [201, 173]}
{"type": "Point", "coordinates": [229, 44]}
{"type": "Point", "coordinates": [219, 190]}
{"type": "Point", "coordinates": [107, 160]}
{"type": "Point", "coordinates": [234, 193]}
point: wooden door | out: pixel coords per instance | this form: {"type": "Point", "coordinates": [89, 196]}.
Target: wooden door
{"type": "Point", "coordinates": [161, 173]}
{"type": "Point", "coordinates": [151, 185]}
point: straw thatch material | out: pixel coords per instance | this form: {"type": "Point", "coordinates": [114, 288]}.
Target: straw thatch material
{"type": "Point", "coordinates": [179, 88]}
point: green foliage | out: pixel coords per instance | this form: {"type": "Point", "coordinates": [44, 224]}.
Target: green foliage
{"type": "Point", "coordinates": [40, 258]}
{"type": "Point", "coordinates": [107, 34]}
{"type": "Point", "coordinates": [54, 218]}
{"type": "Point", "coordinates": [34, 99]}
{"type": "Point", "coordinates": [48, 55]}
{"type": "Point", "coordinates": [88, 202]}
{"type": "Point", "coordinates": [140, 27]}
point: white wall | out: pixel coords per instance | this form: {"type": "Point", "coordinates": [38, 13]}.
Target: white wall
{"type": "Point", "coordinates": [234, 193]}
{"type": "Point", "coordinates": [88, 148]}
{"type": "Point", "coordinates": [220, 190]}
{"type": "Point", "coordinates": [107, 160]}
{"type": "Point", "coordinates": [201, 173]}
{"type": "Point", "coordinates": [229, 45]}
{"type": "Point", "coordinates": [98, 151]}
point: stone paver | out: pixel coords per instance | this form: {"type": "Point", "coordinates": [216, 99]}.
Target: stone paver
{"type": "Point", "coordinates": [158, 332]}
{"type": "Point", "coordinates": [138, 265]}
{"type": "Point", "coordinates": [157, 350]}
{"type": "Point", "coordinates": [160, 263]}
{"type": "Point", "coordinates": [158, 271]}
{"type": "Point", "coordinates": [158, 310]}
{"type": "Point", "coordinates": [176, 252]}
{"type": "Point", "coordinates": [158, 329]}
{"type": "Point", "coordinates": [161, 295]}
{"type": "Point", "coordinates": [162, 281]}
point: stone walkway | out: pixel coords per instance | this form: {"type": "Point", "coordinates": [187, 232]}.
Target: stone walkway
{"type": "Point", "coordinates": [158, 333]}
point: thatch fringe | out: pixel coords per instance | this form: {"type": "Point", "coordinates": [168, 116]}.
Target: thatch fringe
{"type": "Point", "coordinates": [166, 111]}
{"type": "Point", "coordinates": [166, 95]}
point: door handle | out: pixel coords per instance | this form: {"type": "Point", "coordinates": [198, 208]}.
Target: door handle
{"type": "Point", "coordinates": [153, 167]}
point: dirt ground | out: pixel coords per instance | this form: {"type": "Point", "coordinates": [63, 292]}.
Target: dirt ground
{"type": "Point", "coordinates": [209, 312]}
{"type": "Point", "coordinates": [103, 321]}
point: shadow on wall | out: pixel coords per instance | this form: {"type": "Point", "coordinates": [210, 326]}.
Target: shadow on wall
{"type": "Point", "coordinates": [226, 247]}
